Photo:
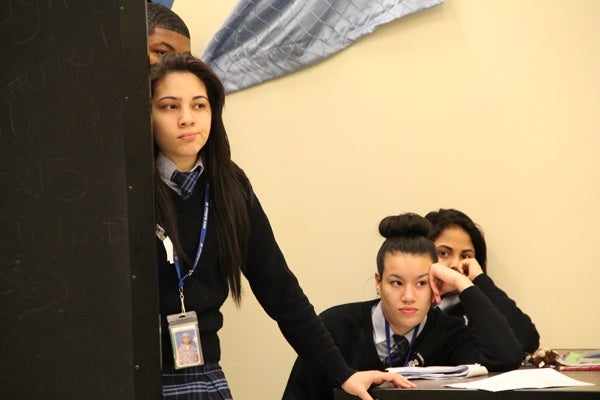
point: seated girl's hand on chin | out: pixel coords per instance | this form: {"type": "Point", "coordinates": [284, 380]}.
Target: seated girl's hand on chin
{"type": "Point", "coordinates": [470, 267]}
{"type": "Point", "coordinates": [444, 280]}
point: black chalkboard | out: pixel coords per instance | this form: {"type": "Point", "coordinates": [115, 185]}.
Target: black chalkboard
{"type": "Point", "coordinates": [78, 298]}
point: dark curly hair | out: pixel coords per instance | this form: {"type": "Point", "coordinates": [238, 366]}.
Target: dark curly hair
{"type": "Point", "coordinates": [445, 218]}
{"type": "Point", "coordinates": [162, 17]}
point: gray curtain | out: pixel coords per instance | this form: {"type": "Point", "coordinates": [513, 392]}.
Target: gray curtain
{"type": "Point", "coordinates": [265, 39]}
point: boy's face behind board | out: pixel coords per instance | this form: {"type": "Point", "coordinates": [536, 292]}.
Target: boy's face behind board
{"type": "Point", "coordinates": [165, 41]}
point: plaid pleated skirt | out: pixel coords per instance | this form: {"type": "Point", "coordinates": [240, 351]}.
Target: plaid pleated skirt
{"type": "Point", "coordinates": [203, 382]}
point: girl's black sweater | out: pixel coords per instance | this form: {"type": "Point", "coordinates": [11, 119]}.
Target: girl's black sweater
{"type": "Point", "coordinates": [274, 285]}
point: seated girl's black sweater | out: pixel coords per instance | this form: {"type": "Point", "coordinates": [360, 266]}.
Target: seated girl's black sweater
{"type": "Point", "coordinates": [520, 323]}
{"type": "Point", "coordinates": [444, 340]}
{"type": "Point", "coordinates": [274, 285]}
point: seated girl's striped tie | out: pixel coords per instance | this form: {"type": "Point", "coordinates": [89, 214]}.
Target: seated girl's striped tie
{"type": "Point", "coordinates": [397, 353]}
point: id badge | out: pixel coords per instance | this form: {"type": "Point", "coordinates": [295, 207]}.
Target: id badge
{"type": "Point", "coordinates": [185, 339]}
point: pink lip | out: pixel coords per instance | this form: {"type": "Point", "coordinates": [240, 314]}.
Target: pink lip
{"type": "Point", "coordinates": [408, 310]}
{"type": "Point", "coordinates": [187, 136]}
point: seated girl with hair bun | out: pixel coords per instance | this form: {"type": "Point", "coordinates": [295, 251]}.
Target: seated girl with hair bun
{"type": "Point", "coordinates": [401, 328]}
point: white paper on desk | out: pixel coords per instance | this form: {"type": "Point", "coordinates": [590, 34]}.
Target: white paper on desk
{"type": "Point", "coordinates": [440, 372]}
{"type": "Point", "coordinates": [537, 378]}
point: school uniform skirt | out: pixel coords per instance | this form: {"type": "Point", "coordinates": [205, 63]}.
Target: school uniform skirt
{"type": "Point", "coordinates": [203, 382]}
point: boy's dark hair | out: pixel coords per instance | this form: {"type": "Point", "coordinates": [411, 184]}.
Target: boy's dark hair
{"type": "Point", "coordinates": [162, 17]}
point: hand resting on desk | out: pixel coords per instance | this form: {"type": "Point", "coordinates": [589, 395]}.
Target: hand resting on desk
{"type": "Point", "coordinates": [359, 382]}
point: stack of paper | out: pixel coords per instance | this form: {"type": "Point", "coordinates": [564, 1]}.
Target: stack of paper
{"type": "Point", "coordinates": [537, 378]}
{"type": "Point", "coordinates": [440, 372]}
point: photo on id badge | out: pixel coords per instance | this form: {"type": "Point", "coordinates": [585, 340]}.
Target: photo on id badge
{"type": "Point", "coordinates": [186, 346]}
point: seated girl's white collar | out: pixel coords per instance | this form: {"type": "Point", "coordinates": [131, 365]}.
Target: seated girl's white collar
{"type": "Point", "coordinates": [379, 325]}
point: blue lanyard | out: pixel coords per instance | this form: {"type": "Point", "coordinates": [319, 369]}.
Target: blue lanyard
{"type": "Point", "coordinates": [389, 347]}
{"type": "Point", "coordinates": [198, 251]}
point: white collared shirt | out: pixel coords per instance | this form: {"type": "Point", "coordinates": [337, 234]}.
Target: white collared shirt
{"type": "Point", "coordinates": [450, 301]}
{"type": "Point", "coordinates": [166, 167]}
{"type": "Point", "coordinates": [379, 337]}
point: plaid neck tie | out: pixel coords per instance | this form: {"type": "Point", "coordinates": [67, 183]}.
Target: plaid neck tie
{"type": "Point", "coordinates": [186, 182]}
{"type": "Point", "coordinates": [397, 353]}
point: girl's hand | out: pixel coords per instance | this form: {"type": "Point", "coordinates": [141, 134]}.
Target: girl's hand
{"type": "Point", "coordinates": [359, 383]}
{"type": "Point", "coordinates": [471, 268]}
{"type": "Point", "coordinates": [444, 280]}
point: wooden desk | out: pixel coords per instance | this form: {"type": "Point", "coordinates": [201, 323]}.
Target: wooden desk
{"type": "Point", "coordinates": [435, 390]}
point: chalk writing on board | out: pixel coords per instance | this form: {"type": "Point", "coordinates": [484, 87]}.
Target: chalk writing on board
{"type": "Point", "coordinates": [66, 183]}
{"type": "Point", "coordinates": [65, 231]}
{"type": "Point", "coordinates": [25, 28]}
{"type": "Point", "coordinates": [31, 286]}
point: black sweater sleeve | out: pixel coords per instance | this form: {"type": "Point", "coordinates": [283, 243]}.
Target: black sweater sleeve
{"type": "Point", "coordinates": [279, 293]}
{"type": "Point", "coordinates": [520, 322]}
{"type": "Point", "coordinates": [500, 349]}
{"type": "Point", "coordinates": [351, 329]}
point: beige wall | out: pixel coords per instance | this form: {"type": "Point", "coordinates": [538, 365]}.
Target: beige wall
{"type": "Point", "coordinates": [491, 107]}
